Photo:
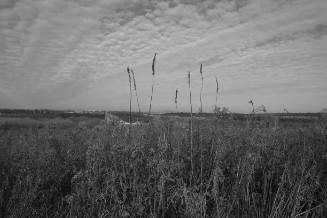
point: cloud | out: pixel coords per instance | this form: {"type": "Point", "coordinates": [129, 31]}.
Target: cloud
{"type": "Point", "coordinates": [73, 53]}
{"type": "Point", "coordinates": [7, 4]}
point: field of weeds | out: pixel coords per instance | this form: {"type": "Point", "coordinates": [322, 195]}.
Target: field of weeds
{"type": "Point", "coordinates": [89, 168]}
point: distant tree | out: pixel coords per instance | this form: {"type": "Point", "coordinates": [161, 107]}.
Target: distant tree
{"type": "Point", "coordinates": [221, 111]}
{"type": "Point", "coordinates": [252, 104]}
{"type": "Point", "coordinates": [216, 109]}
{"type": "Point", "coordinates": [261, 108]}
{"type": "Point", "coordinates": [225, 110]}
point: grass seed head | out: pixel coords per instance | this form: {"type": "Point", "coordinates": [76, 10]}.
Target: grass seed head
{"type": "Point", "coordinates": [153, 64]}
{"type": "Point", "coordinates": [189, 78]}
{"type": "Point", "coordinates": [133, 79]}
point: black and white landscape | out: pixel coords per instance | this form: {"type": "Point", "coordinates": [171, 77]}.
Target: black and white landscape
{"type": "Point", "coordinates": [163, 108]}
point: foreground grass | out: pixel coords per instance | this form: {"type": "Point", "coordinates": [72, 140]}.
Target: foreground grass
{"type": "Point", "coordinates": [92, 169]}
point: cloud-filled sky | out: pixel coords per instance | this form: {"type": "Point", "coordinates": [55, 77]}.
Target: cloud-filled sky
{"type": "Point", "coordinates": [73, 54]}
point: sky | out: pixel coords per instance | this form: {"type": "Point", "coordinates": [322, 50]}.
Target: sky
{"type": "Point", "coordinates": [73, 54]}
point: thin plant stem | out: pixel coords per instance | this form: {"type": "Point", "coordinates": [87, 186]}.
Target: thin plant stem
{"type": "Point", "coordinates": [153, 74]}
{"type": "Point", "coordinates": [130, 95]}
{"type": "Point", "coordinates": [217, 90]}
{"type": "Point", "coordinates": [201, 175]}
{"type": "Point", "coordinates": [191, 126]}
{"type": "Point", "coordinates": [201, 108]}
{"type": "Point", "coordinates": [176, 95]}
{"type": "Point", "coordinates": [137, 97]}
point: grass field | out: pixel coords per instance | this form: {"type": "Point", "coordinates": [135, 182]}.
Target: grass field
{"type": "Point", "coordinates": [84, 167]}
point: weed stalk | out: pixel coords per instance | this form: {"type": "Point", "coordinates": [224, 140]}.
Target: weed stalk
{"type": "Point", "coordinates": [153, 74]}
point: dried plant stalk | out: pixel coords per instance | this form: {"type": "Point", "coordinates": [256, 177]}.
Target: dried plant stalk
{"type": "Point", "coordinates": [201, 161]}
{"type": "Point", "coordinates": [176, 95]}
{"type": "Point", "coordinates": [130, 95]}
{"type": "Point", "coordinates": [201, 174]}
{"type": "Point", "coordinates": [201, 109]}
{"type": "Point", "coordinates": [217, 90]}
{"type": "Point", "coordinates": [137, 97]}
{"type": "Point", "coordinates": [153, 73]}
{"type": "Point", "coordinates": [191, 125]}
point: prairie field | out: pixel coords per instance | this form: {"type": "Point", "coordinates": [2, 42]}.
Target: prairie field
{"type": "Point", "coordinates": [82, 166]}
{"type": "Point", "coordinates": [163, 108]}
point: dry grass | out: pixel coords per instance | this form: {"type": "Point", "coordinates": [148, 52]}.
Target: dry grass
{"type": "Point", "coordinates": [217, 90]}
{"type": "Point", "coordinates": [96, 172]}
{"type": "Point", "coordinates": [176, 98]}
{"type": "Point", "coordinates": [135, 89]}
{"type": "Point", "coordinates": [130, 95]}
{"type": "Point", "coordinates": [201, 73]}
{"type": "Point", "coordinates": [191, 126]}
{"type": "Point", "coordinates": [153, 74]}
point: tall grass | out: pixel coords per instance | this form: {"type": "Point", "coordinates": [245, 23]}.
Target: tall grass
{"type": "Point", "coordinates": [201, 73]}
{"type": "Point", "coordinates": [96, 172]}
{"type": "Point", "coordinates": [153, 74]}
{"type": "Point", "coordinates": [176, 96]}
{"type": "Point", "coordinates": [191, 126]}
{"type": "Point", "coordinates": [130, 95]}
{"type": "Point", "coordinates": [200, 144]}
{"type": "Point", "coordinates": [217, 90]}
{"type": "Point", "coordinates": [135, 89]}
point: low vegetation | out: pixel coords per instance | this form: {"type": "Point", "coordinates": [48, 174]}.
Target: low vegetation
{"type": "Point", "coordinates": [87, 168]}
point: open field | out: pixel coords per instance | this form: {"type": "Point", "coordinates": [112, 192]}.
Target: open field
{"type": "Point", "coordinates": [163, 109]}
{"type": "Point", "coordinates": [82, 166]}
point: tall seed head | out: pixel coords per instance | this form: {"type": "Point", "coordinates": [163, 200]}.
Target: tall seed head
{"type": "Point", "coordinates": [129, 75]}
{"type": "Point", "coordinates": [153, 72]}
{"type": "Point", "coordinates": [201, 109]}
{"type": "Point", "coordinates": [133, 79]}
{"type": "Point", "coordinates": [153, 64]}
{"type": "Point", "coordinates": [189, 78]}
